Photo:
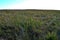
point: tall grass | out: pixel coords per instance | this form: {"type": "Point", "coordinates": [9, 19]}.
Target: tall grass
{"type": "Point", "coordinates": [29, 25]}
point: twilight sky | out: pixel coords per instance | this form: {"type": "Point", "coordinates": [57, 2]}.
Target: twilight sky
{"type": "Point", "coordinates": [30, 4]}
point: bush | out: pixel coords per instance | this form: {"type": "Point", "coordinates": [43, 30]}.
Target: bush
{"type": "Point", "coordinates": [51, 36]}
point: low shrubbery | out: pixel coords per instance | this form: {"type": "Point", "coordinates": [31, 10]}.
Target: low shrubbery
{"type": "Point", "coordinates": [28, 26]}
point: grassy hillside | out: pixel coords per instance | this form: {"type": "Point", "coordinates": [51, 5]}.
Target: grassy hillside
{"type": "Point", "coordinates": [29, 25]}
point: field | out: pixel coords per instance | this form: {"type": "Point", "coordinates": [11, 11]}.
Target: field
{"type": "Point", "coordinates": [29, 24]}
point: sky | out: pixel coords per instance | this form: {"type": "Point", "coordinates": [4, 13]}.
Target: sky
{"type": "Point", "coordinates": [30, 4]}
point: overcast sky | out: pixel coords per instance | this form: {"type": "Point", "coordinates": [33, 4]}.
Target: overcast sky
{"type": "Point", "coordinates": [30, 4]}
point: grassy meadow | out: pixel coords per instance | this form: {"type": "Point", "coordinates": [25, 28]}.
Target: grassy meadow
{"type": "Point", "coordinates": [29, 25]}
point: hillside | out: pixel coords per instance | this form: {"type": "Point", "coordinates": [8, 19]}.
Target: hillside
{"type": "Point", "coordinates": [29, 25]}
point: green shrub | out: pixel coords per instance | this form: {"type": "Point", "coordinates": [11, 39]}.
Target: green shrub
{"type": "Point", "coordinates": [51, 36]}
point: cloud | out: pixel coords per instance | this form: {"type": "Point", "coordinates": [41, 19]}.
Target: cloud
{"type": "Point", "coordinates": [36, 4]}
